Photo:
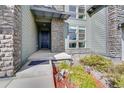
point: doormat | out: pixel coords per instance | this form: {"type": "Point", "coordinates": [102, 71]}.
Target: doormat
{"type": "Point", "coordinates": [38, 62]}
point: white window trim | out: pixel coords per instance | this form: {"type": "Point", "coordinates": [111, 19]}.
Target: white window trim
{"type": "Point", "coordinates": [77, 37]}
{"type": "Point", "coordinates": [77, 14]}
{"type": "Point", "coordinates": [83, 28]}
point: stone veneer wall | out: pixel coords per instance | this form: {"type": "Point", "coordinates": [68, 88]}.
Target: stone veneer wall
{"type": "Point", "coordinates": [114, 34]}
{"type": "Point", "coordinates": [10, 39]}
{"type": "Point", "coordinates": [57, 35]}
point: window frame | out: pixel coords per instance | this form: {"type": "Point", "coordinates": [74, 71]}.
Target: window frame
{"type": "Point", "coordinates": [77, 37]}
{"type": "Point", "coordinates": [73, 12]}
{"type": "Point", "coordinates": [83, 28]}
{"type": "Point", "coordinates": [72, 47]}
{"type": "Point", "coordinates": [82, 13]}
{"type": "Point", "coordinates": [76, 13]}
{"type": "Point", "coordinates": [72, 32]}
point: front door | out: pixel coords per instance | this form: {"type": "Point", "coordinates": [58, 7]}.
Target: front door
{"type": "Point", "coordinates": [45, 39]}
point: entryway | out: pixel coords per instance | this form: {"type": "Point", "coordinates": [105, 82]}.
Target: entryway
{"type": "Point", "coordinates": [44, 35]}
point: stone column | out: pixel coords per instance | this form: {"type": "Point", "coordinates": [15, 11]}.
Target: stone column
{"type": "Point", "coordinates": [10, 39]}
{"type": "Point", "coordinates": [114, 34]}
{"type": "Point", "coordinates": [57, 35]}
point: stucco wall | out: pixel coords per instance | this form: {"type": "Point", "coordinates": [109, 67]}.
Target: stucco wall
{"type": "Point", "coordinates": [29, 33]}
{"type": "Point", "coordinates": [97, 31]}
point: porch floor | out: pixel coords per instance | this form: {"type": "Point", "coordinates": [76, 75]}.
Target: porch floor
{"type": "Point", "coordinates": [42, 55]}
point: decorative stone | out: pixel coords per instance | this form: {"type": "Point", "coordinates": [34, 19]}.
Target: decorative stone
{"type": "Point", "coordinates": [9, 73]}
{"type": "Point", "coordinates": [8, 36]}
{"type": "Point", "coordinates": [7, 68]}
{"type": "Point", "coordinates": [1, 63]}
{"type": "Point", "coordinates": [114, 34]}
{"type": "Point", "coordinates": [8, 45]}
{"type": "Point", "coordinates": [2, 73]}
{"type": "Point", "coordinates": [2, 54]}
{"type": "Point", "coordinates": [7, 49]}
{"type": "Point", "coordinates": [58, 42]}
{"type": "Point", "coordinates": [1, 45]}
{"type": "Point", "coordinates": [7, 41]}
{"type": "Point", "coordinates": [8, 54]}
{"type": "Point", "coordinates": [8, 63]}
{"type": "Point", "coordinates": [1, 36]}
{"type": "Point", "coordinates": [7, 58]}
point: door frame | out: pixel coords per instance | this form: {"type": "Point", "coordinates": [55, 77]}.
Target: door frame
{"type": "Point", "coordinates": [39, 26]}
{"type": "Point", "coordinates": [48, 37]}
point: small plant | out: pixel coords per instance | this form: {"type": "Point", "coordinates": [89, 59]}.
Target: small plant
{"type": "Point", "coordinates": [78, 76]}
{"type": "Point", "coordinates": [120, 68]}
{"type": "Point", "coordinates": [63, 65]}
{"type": "Point", "coordinates": [98, 62]}
{"type": "Point", "coordinates": [116, 75]}
{"type": "Point", "coordinates": [120, 82]}
{"type": "Point", "coordinates": [81, 78]}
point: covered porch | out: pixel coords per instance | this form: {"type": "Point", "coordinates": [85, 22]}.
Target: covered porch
{"type": "Point", "coordinates": [44, 27]}
{"type": "Point", "coordinates": [50, 27]}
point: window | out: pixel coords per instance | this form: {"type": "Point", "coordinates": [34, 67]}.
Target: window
{"type": "Point", "coordinates": [72, 10]}
{"type": "Point", "coordinates": [81, 9]}
{"type": "Point", "coordinates": [81, 44]}
{"type": "Point", "coordinates": [72, 45]}
{"type": "Point", "coordinates": [72, 34]}
{"type": "Point", "coordinates": [81, 12]}
{"type": "Point", "coordinates": [76, 37]}
{"type": "Point", "coordinates": [81, 34]}
{"type": "Point", "coordinates": [77, 12]}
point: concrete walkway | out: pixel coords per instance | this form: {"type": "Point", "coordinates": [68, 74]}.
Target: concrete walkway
{"type": "Point", "coordinates": [42, 55]}
{"type": "Point", "coordinates": [36, 76]}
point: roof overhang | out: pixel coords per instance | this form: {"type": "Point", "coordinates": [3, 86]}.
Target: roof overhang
{"type": "Point", "coordinates": [47, 12]}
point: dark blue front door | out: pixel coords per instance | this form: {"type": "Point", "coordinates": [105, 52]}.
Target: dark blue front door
{"type": "Point", "coordinates": [45, 39]}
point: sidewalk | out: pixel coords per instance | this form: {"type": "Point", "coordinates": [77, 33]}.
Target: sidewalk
{"type": "Point", "coordinates": [38, 76]}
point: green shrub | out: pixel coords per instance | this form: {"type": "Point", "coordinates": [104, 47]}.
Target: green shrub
{"type": "Point", "coordinates": [116, 75]}
{"type": "Point", "coordinates": [120, 82]}
{"type": "Point", "coordinates": [98, 62]}
{"type": "Point", "coordinates": [120, 68]}
{"type": "Point", "coordinates": [81, 78]}
{"type": "Point", "coordinates": [63, 65]}
{"type": "Point", "coordinates": [78, 76]}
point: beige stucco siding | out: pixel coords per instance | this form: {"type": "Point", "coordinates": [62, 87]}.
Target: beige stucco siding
{"type": "Point", "coordinates": [29, 33]}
